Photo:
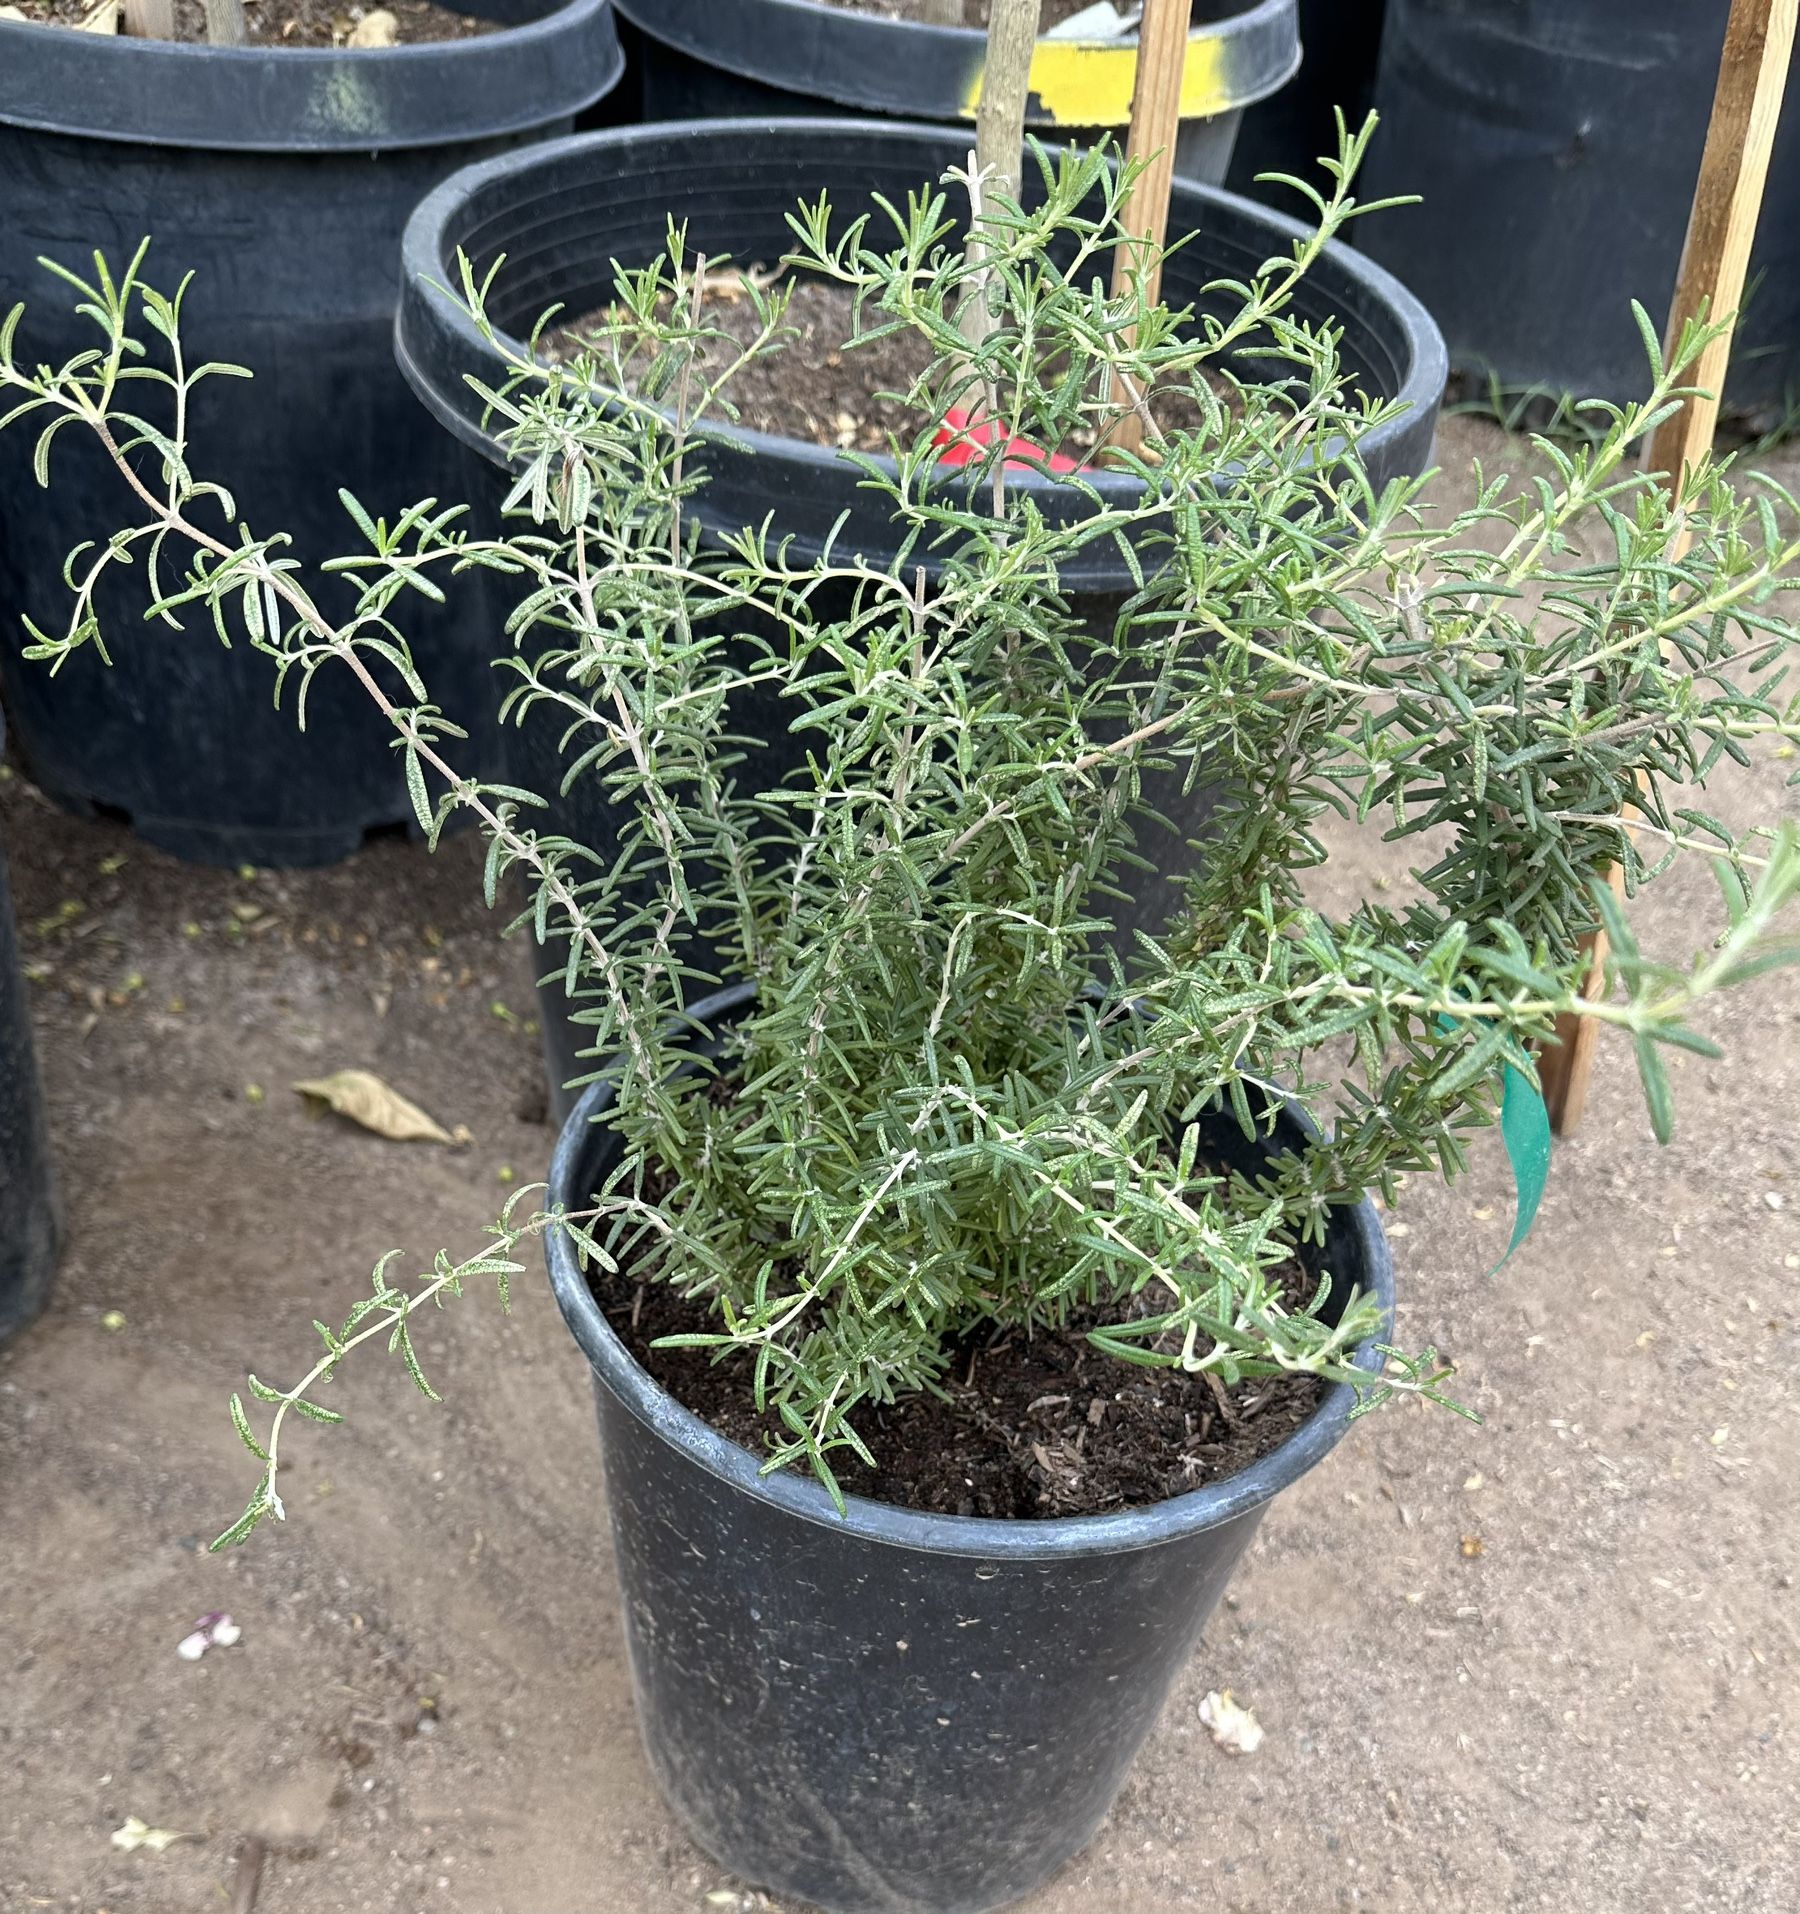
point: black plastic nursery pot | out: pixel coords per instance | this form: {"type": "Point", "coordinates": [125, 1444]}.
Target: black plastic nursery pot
{"type": "Point", "coordinates": [563, 212]}
{"type": "Point", "coordinates": [1291, 130]}
{"type": "Point", "coordinates": [28, 1219]}
{"type": "Point", "coordinates": [1556, 148]}
{"type": "Point", "coordinates": [887, 1712]}
{"type": "Point", "coordinates": [280, 178]}
{"type": "Point", "coordinates": [722, 59]}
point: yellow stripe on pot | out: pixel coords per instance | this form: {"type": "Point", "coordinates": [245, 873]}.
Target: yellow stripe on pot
{"type": "Point", "coordinates": [1079, 84]}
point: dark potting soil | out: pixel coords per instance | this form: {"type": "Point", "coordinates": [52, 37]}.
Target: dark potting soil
{"type": "Point", "coordinates": [813, 387]}
{"type": "Point", "coordinates": [1035, 1426]}
{"type": "Point", "coordinates": [295, 23]}
{"type": "Point", "coordinates": [974, 12]}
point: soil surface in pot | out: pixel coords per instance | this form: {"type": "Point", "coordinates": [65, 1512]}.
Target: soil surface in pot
{"type": "Point", "coordinates": [295, 23]}
{"type": "Point", "coordinates": [1033, 1426]}
{"type": "Point", "coordinates": [813, 387]}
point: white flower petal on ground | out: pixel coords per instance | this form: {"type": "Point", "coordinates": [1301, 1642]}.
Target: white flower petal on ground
{"type": "Point", "coordinates": [137, 1833]}
{"type": "Point", "coordinates": [1233, 1727]}
{"type": "Point", "coordinates": [216, 1630]}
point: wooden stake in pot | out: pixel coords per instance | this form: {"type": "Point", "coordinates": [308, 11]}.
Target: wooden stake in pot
{"type": "Point", "coordinates": [1155, 123]}
{"type": "Point", "coordinates": [148, 19]}
{"type": "Point", "coordinates": [1005, 88]}
{"type": "Point", "coordinates": [1759, 41]}
{"type": "Point", "coordinates": [999, 136]}
{"type": "Point", "coordinates": [225, 23]}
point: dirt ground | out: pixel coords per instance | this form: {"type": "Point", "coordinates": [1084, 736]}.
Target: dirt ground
{"type": "Point", "coordinates": [1545, 1663]}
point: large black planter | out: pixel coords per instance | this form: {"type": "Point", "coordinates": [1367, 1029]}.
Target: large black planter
{"type": "Point", "coordinates": [280, 178]}
{"type": "Point", "coordinates": [563, 212]}
{"type": "Point", "coordinates": [1556, 147]}
{"type": "Point", "coordinates": [722, 59]}
{"type": "Point", "coordinates": [887, 1712]}
{"type": "Point", "coordinates": [1291, 130]}
{"type": "Point", "coordinates": [28, 1229]}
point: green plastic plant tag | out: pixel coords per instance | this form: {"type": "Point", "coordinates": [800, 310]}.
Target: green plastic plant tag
{"type": "Point", "coordinates": [1525, 1130]}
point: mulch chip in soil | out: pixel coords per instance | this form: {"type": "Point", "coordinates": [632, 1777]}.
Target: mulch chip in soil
{"type": "Point", "coordinates": [294, 23]}
{"type": "Point", "coordinates": [813, 387]}
{"type": "Point", "coordinates": [1033, 1426]}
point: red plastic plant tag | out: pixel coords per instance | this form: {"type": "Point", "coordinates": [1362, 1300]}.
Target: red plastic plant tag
{"type": "Point", "coordinates": [961, 443]}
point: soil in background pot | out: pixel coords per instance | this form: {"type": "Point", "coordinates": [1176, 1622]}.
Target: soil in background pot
{"type": "Point", "coordinates": [811, 388]}
{"type": "Point", "coordinates": [295, 23]}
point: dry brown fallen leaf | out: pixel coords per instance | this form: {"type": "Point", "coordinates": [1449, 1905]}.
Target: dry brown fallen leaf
{"type": "Point", "coordinates": [361, 1096]}
{"type": "Point", "coordinates": [376, 29]}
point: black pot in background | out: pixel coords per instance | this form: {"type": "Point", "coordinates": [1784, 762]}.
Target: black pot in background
{"type": "Point", "coordinates": [726, 59]}
{"type": "Point", "coordinates": [1557, 147]}
{"type": "Point", "coordinates": [563, 212]}
{"type": "Point", "coordinates": [1291, 130]}
{"type": "Point", "coordinates": [281, 178]}
{"type": "Point", "coordinates": [888, 1712]}
{"type": "Point", "coordinates": [28, 1220]}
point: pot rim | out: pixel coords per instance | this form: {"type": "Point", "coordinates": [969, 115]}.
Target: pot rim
{"type": "Point", "coordinates": [909, 66]}
{"type": "Point", "coordinates": [1245, 15]}
{"type": "Point", "coordinates": [432, 334]}
{"type": "Point", "coordinates": [261, 99]}
{"type": "Point", "coordinates": [989, 1537]}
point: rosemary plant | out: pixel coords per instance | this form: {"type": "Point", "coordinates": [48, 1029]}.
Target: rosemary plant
{"type": "Point", "coordinates": [957, 1101]}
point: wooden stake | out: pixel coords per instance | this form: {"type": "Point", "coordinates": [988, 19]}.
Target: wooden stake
{"type": "Point", "coordinates": [1155, 122]}
{"type": "Point", "coordinates": [148, 19]}
{"type": "Point", "coordinates": [1715, 260]}
{"type": "Point", "coordinates": [999, 137]}
{"type": "Point", "coordinates": [1005, 88]}
{"type": "Point", "coordinates": [1759, 42]}
{"type": "Point", "coordinates": [225, 23]}
{"type": "Point", "coordinates": [942, 13]}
